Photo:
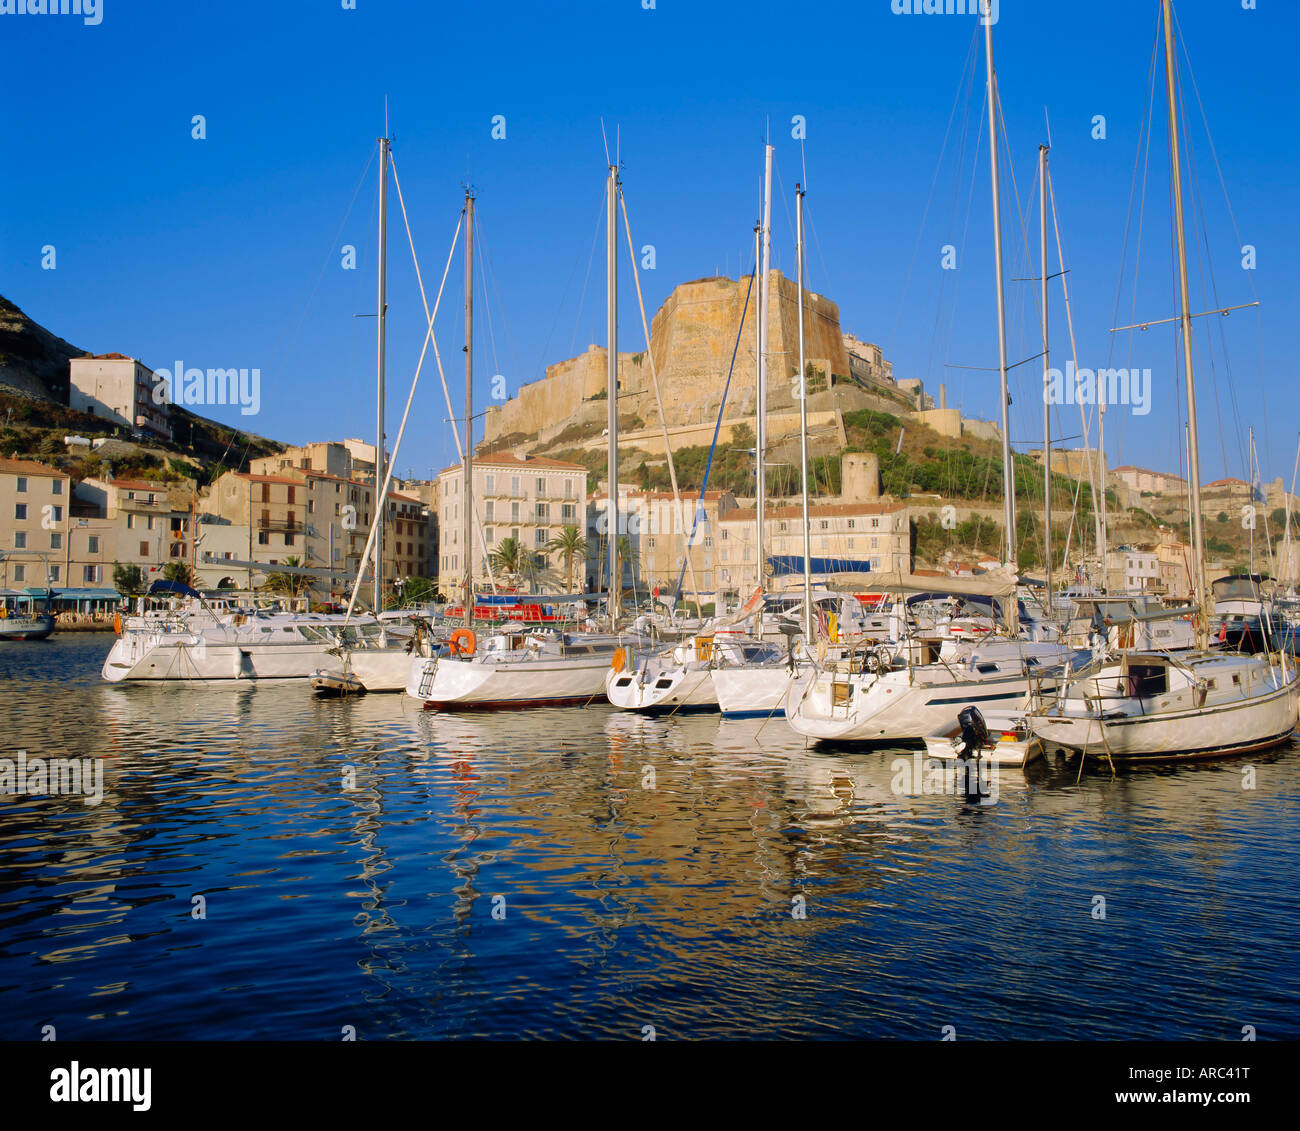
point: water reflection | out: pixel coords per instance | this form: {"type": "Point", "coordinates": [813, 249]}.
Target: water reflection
{"type": "Point", "coordinates": [586, 872]}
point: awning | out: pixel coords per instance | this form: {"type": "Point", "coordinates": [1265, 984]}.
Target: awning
{"type": "Point", "coordinates": [87, 595]}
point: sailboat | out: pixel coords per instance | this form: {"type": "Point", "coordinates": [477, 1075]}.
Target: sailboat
{"type": "Point", "coordinates": [681, 678]}
{"type": "Point", "coordinates": [377, 661]}
{"type": "Point", "coordinates": [517, 667]}
{"type": "Point", "coordinates": [926, 684]}
{"type": "Point", "coordinates": [1145, 706]}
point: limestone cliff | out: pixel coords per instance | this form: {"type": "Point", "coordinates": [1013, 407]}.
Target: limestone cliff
{"type": "Point", "coordinates": [692, 336]}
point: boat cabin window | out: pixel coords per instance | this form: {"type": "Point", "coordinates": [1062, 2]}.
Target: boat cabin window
{"type": "Point", "coordinates": [1146, 680]}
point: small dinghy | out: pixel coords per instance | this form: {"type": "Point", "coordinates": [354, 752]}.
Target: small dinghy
{"type": "Point", "coordinates": [1007, 741]}
{"type": "Point", "coordinates": [336, 685]}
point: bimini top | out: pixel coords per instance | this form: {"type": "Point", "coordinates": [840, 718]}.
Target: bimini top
{"type": "Point", "coordinates": [170, 589]}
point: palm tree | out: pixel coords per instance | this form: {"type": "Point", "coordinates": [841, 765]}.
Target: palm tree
{"type": "Point", "coordinates": [569, 544]}
{"type": "Point", "coordinates": [511, 557]}
{"type": "Point", "coordinates": [290, 583]}
{"type": "Point", "coordinates": [178, 572]}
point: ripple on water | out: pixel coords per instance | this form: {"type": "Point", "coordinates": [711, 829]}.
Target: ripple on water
{"type": "Point", "coordinates": [264, 864]}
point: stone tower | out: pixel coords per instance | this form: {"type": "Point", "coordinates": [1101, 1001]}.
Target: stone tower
{"type": "Point", "coordinates": [859, 477]}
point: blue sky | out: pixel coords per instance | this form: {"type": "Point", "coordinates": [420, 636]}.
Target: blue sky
{"type": "Point", "coordinates": [223, 251]}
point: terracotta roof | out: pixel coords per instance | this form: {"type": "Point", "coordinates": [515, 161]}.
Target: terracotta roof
{"type": "Point", "coordinates": [308, 473]}
{"type": "Point", "coordinates": [106, 357]}
{"type": "Point", "coordinates": [1226, 483]}
{"type": "Point", "coordinates": [136, 484]}
{"type": "Point", "coordinates": [266, 478]}
{"type": "Point", "coordinates": [31, 467]}
{"type": "Point", "coordinates": [824, 510]}
{"type": "Point", "coordinates": [540, 462]}
{"type": "Point", "coordinates": [687, 496]}
{"type": "Point", "coordinates": [1147, 471]}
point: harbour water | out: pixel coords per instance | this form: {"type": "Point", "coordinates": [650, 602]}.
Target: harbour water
{"type": "Point", "coordinates": [592, 874]}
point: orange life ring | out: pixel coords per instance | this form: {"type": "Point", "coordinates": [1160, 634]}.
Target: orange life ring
{"type": "Point", "coordinates": [469, 645]}
{"type": "Point", "coordinates": [619, 662]}
{"type": "Point", "coordinates": [117, 623]}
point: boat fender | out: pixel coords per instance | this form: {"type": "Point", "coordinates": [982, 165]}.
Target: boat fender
{"type": "Point", "coordinates": [620, 660]}
{"type": "Point", "coordinates": [117, 623]}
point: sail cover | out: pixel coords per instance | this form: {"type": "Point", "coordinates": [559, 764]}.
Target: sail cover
{"type": "Point", "coordinates": [783, 565]}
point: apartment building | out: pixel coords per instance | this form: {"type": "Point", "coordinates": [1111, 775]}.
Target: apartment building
{"type": "Point", "coordinates": [121, 389]}
{"type": "Point", "coordinates": [328, 457]}
{"type": "Point", "coordinates": [528, 498]}
{"type": "Point", "coordinates": [877, 534]}
{"type": "Point", "coordinates": [34, 513]}
{"type": "Point", "coordinates": [272, 507]}
{"type": "Point", "coordinates": [406, 540]}
{"type": "Point", "coordinates": [1147, 482]}
{"type": "Point", "coordinates": [150, 523]}
{"type": "Point", "coordinates": [659, 534]}
{"type": "Point", "coordinates": [1133, 570]}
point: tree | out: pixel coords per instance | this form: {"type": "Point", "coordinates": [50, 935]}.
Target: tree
{"type": "Point", "coordinates": [178, 572]}
{"type": "Point", "coordinates": [569, 544]}
{"type": "Point", "coordinates": [290, 583]}
{"type": "Point", "coordinates": [418, 589]}
{"type": "Point", "coordinates": [128, 579]}
{"type": "Point", "coordinates": [511, 557]}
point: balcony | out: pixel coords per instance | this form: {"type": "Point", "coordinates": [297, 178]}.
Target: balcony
{"type": "Point", "coordinates": [281, 525]}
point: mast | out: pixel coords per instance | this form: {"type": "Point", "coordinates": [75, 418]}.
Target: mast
{"type": "Point", "coordinates": [467, 500]}
{"type": "Point", "coordinates": [1251, 493]}
{"type": "Point", "coordinates": [758, 391]}
{"type": "Point", "coordinates": [1008, 467]}
{"type": "Point", "coordinates": [1047, 407]}
{"type": "Point", "coordinates": [1185, 317]}
{"type": "Point", "coordinates": [379, 423]}
{"type": "Point", "coordinates": [611, 357]}
{"type": "Point", "coordinates": [801, 382]}
{"type": "Point", "coordinates": [761, 441]}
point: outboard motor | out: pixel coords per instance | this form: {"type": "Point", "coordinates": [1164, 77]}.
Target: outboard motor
{"type": "Point", "coordinates": [974, 732]}
{"type": "Point", "coordinates": [789, 630]}
{"type": "Point", "coordinates": [974, 737]}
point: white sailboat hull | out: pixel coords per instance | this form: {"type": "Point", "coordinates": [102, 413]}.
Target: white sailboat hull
{"type": "Point", "coordinates": [196, 658]}
{"type": "Point", "coordinates": [441, 683]}
{"type": "Point", "coordinates": [1211, 731]}
{"type": "Point", "coordinates": [890, 708]}
{"type": "Point", "coordinates": [682, 687]}
{"type": "Point", "coordinates": [753, 692]}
